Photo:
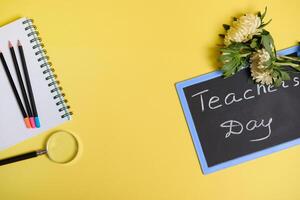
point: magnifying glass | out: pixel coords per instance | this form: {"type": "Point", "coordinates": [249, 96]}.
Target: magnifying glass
{"type": "Point", "coordinates": [61, 147]}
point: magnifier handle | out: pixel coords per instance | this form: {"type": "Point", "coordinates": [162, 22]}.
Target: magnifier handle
{"type": "Point", "coordinates": [21, 157]}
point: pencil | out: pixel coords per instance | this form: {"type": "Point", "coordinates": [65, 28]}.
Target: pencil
{"type": "Point", "coordinates": [21, 84]}
{"type": "Point", "coordinates": [12, 84]}
{"type": "Point", "coordinates": [28, 84]}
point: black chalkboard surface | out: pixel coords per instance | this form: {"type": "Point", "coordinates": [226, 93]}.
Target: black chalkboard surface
{"type": "Point", "coordinates": [234, 120]}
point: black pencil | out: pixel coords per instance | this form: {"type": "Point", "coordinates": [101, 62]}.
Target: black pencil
{"type": "Point", "coordinates": [21, 84]}
{"type": "Point", "coordinates": [28, 84]}
{"type": "Point", "coordinates": [13, 86]}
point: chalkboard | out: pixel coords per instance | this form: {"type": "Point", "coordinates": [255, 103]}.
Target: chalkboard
{"type": "Point", "coordinates": [234, 120]}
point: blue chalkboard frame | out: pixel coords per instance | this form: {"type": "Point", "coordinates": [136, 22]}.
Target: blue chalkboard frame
{"type": "Point", "coordinates": [197, 144]}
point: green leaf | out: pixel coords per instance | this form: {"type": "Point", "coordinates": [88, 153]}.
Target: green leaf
{"type": "Point", "coordinates": [297, 68]}
{"type": "Point", "coordinates": [265, 24]}
{"type": "Point", "coordinates": [221, 35]}
{"type": "Point", "coordinates": [253, 43]}
{"type": "Point", "coordinates": [265, 32]}
{"type": "Point", "coordinates": [275, 74]}
{"type": "Point", "coordinates": [226, 27]}
{"type": "Point", "coordinates": [268, 43]}
{"type": "Point", "coordinates": [285, 75]}
{"type": "Point", "coordinates": [228, 66]}
{"type": "Point", "coordinates": [264, 13]}
{"type": "Point", "coordinates": [237, 47]}
{"type": "Point", "coordinates": [244, 63]}
{"type": "Point", "coordinates": [259, 14]}
{"type": "Point", "coordinates": [268, 63]}
{"type": "Point", "coordinates": [228, 69]}
{"type": "Point", "coordinates": [225, 58]}
{"type": "Point", "coordinates": [278, 82]}
{"type": "Point", "coordinates": [234, 58]}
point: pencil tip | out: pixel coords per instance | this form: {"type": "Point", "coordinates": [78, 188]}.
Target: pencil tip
{"type": "Point", "coordinates": [32, 122]}
{"type": "Point", "coordinates": [37, 122]}
{"type": "Point", "coordinates": [19, 43]}
{"type": "Point", "coordinates": [9, 44]}
{"type": "Point", "coordinates": [27, 122]}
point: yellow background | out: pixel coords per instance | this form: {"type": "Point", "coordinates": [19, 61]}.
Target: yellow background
{"type": "Point", "coordinates": [118, 62]}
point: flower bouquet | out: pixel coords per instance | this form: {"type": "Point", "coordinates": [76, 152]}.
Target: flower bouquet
{"type": "Point", "coordinates": [248, 44]}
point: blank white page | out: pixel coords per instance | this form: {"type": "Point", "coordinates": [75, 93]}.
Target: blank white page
{"type": "Point", "coordinates": [12, 126]}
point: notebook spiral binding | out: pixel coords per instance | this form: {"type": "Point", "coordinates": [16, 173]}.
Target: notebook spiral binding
{"type": "Point", "coordinates": [56, 90]}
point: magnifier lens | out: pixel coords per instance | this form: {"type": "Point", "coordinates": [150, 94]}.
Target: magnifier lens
{"type": "Point", "coordinates": [62, 147]}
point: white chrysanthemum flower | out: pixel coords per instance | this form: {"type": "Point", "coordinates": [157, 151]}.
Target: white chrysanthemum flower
{"type": "Point", "coordinates": [243, 29]}
{"type": "Point", "coordinates": [262, 76]}
{"type": "Point", "coordinates": [259, 59]}
{"type": "Point", "coordinates": [259, 71]}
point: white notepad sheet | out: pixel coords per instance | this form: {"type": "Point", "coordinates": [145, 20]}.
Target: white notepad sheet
{"type": "Point", "coordinates": [12, 126]}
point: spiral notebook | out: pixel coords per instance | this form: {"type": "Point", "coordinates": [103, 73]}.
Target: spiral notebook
{"type": "Point", "coordinates": [50, 102]}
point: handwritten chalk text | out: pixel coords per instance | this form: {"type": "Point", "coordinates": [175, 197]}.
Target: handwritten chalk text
{"type": "Point", "coordinates": [212, 102]}
{"type": "Point", "coordinates": [235, 127]}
